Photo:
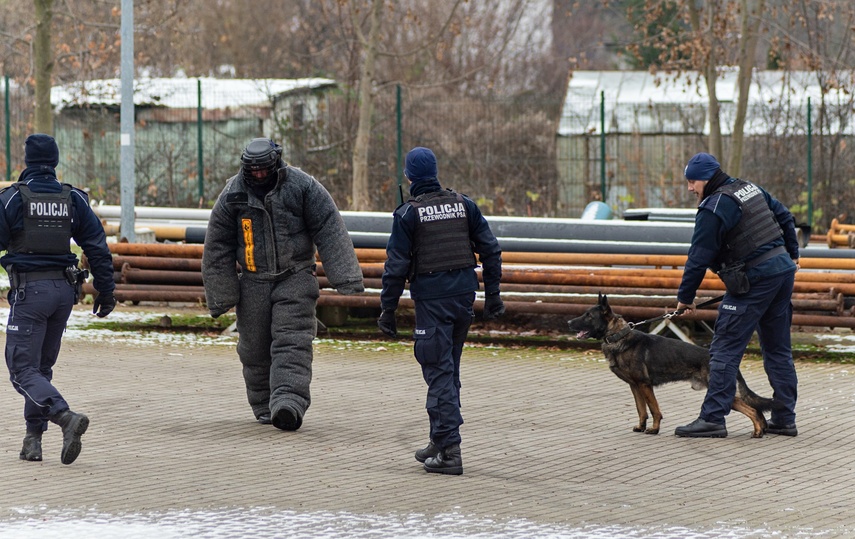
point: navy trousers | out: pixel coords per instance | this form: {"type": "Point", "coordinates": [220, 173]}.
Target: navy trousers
{"type": "Point", "coordinates": [441, 329]}
{"type": "Point", "coordinates": [38, 315]}
{"type": "Point", "coordinates": [768, 309]}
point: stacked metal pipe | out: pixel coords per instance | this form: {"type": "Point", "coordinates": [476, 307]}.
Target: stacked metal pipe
{"type": "Point", "coordinates": [639, 286]}
{"type": "Point", "coordinates": [840, 235]}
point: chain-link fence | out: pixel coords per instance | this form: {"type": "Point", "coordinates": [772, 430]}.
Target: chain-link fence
{"type": "Point", "coordinates": [646, 169]}
{"type": "Point", "coordinates": [513, 156]}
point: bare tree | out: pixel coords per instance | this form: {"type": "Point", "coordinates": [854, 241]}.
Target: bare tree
{"type": "Point", "coordinates": [43, 59]}
{"type": "Point", "coordinates": [820, 36]}
{"type": "Point", "coordinates": [751, 12]}
{"type": "Point", "coordinates": [717, 34]}
{"type": "Point", "coordinates": [360, 191]}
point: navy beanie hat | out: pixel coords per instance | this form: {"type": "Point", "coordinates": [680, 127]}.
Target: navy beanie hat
{"type": "Point", "coordinates": [41, 149]}
{"type": "Point", "coordinates": [701, 167]}
{"type": "Point", "coordinates": [420, 164]}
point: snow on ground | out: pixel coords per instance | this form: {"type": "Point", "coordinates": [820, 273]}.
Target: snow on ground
{"type": "Point", "coordinates": [81, 320]}
{"type": "Point", "coordinates": [82, 325]}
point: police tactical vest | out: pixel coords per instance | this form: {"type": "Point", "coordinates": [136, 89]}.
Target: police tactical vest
{"type": "Point", "coordinates": [47, 222]}
{"type": "Point", "coordinates": [756, 228]}
{"type": "Point", "coordinates": [441, 239]}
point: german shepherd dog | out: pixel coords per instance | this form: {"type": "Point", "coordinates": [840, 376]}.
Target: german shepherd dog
{"type": "Point", "coordinates": [645, 361]}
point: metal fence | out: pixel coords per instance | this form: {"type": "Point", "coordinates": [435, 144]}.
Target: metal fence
{"type": "Point", "coordinates": [504, 153]}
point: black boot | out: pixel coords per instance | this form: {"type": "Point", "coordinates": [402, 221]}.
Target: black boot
{"type": "Point", "coordinates": [429, 451]}
{"type": "Point", "coordinates": [73, 426]}
{"type": "Point", "coordinates": [700, 428]}
{"type": "Point", "coordinates": [783, 430]}
{"type": "Point", "coordinates": [449, 461]}
{"type": "Point", "coordinates": [286, 419]}
{"type": "Point", "coordinates": [32, 449]}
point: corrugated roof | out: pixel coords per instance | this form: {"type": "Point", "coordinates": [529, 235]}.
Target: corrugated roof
{"type": "Point", "coordinates": [182, 92]}
{"type": "Point", "coordinates": [638, 101]}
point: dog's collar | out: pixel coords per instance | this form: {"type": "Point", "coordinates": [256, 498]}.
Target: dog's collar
{"type": "Point", "coordinates": [615, 337]}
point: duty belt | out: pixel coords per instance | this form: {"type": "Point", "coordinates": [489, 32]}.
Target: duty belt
{"type": "Point", "coordinates": [756, 261]}
{"type": "Point", "coordinates": [18, 280]}
{"type": "Point", "coordinates": [28, 276]}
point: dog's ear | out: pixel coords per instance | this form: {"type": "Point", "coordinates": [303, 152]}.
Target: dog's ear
{"type": "Point", "coordinates": [605, 309]}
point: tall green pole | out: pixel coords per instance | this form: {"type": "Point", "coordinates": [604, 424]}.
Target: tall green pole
{"type": "Point", "coordinates": [809, 166]}
{"type": "Point", "coordinates": [8, 132]}
{"type": "Point", "coordinates": [200, 166]}
{"type": "Point", "coordinates": [603, 145]}
{"type": "Point", "coordinates": [400, 149]}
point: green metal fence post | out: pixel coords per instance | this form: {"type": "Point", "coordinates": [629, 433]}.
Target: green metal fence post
{"type": "Point", "coordinates": [400, 149]}
{"type": "Point", "coordinates": [8, 132]}
{"type": "Point", "coordinates": [200, 166]}
{"type": "Point", "coordinates": [603, 145]}
{"type": "Point", "coordinates": [809, 166]}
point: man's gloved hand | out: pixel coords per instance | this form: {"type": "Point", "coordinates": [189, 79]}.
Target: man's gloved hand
{"type": "Point", "coordinates": [219, 309]}
{"type": "Point", "coordinates": [387, 323]}
{"type": "Point", "coordinates": [494, 307]}
{"type": "Point", "coordinates": [104, 305]}
{"type": "Point", "coordinates": [348, 289]}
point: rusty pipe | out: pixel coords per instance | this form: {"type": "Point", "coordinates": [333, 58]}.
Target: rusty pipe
{"type": "Point", "coordinates": [376, 283]}
{"type": "Point", "coordinates": [162, 293]}
{"type": "Point", "coordinates": [156, 287]}
{"type": "Point", "coordinates": [634, 296]}
{"type": "Point", "coordinates": [88, 288]}
{"type": "Point", "coordinates": [177, 250]}
{"type": "Point", "coordinates": [585, 259]}
{"type": "Point", "coordinates": [158, 263]}
{"type": "Point", "coordinates": [174, 296]}
{"type": "Point", "coordinates": [134, 275]}
{"type": "Point", "coordinates": [835, 240]}
{"type": "Point", "coordinates": [572, 309]}
{"type": "Point", "coordinates": [562, 259]}
{"type": "Point", "coordinates": [569, 259]}
{"type": "Point", "coordinates": [562, 278]}
{"type": "Point", "coordinates": [828, 305]}
{"type": "Point", "coordinates": [838, 226]}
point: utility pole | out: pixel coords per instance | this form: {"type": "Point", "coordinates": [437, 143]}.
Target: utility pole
{"type": "Point", "coordinates": [127, 123]}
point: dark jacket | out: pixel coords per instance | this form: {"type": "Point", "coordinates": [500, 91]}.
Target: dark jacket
{"type": "Point", "coordinates": [718, 214]}
{"type": "Point", "coordinates": [86, 230]}
{"type": "Point", "coordinates": [294, 217]}
{"type": "Point", "coordinates": [443, 283]}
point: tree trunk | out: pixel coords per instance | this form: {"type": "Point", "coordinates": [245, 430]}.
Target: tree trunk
{"type": "Point", "coordinates": [360, 199]}
{"type": "Point", "coordinates": [43, 57]}
{"type": "Point", "coordinates": [751, 11]}
{"type": "Point", "coordinates": [710, 75]}
{"type": "Point", "coordinates": [715, 144]}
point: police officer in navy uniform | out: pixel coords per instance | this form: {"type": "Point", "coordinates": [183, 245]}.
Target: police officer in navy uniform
{"type": "Point", "coordinates": [38, 219]}
{"type": "Point", "coordinates": [748, 238]}
{"type": "Point", "coordinates": [435, 236]}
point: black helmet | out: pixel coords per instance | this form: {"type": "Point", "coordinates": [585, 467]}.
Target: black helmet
{"type": "Point", "coordinates": [260, 155]}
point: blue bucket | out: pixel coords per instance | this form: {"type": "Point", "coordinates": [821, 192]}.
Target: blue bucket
{"type": "Point", "coordinates": [596, 211]}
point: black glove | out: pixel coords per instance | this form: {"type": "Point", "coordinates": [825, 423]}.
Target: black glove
{"type": "Point", "coordinates": [387, 323]}
{"type": "Point", "coordinates": [104, 305]}
{"type": "Point", "coordinates": [494, 307]}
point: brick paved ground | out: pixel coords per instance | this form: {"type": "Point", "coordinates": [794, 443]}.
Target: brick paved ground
{"type": "Point", "coordinates": [547, 437]}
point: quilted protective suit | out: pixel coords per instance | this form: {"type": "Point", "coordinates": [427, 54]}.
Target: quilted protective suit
{"type": "Point", "coordinates": [259, 257]}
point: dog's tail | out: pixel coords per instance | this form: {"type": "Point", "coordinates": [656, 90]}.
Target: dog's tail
{"type": "Point", "coordinates": [761, 404]}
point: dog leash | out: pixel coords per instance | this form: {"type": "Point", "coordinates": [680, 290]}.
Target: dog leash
{"type": "Point", "coordinates": [678, 312]}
